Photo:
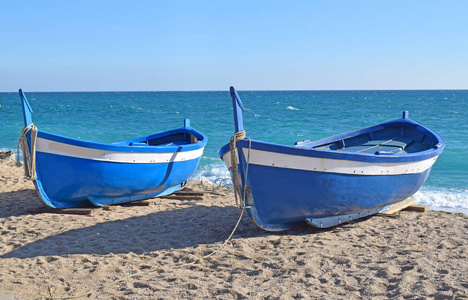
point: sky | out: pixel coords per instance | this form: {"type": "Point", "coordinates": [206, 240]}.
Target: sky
{"type": "Point", "coordinates": [202, 45]}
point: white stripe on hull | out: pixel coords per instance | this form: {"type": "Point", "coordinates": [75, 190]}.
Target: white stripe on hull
{"type": "Point", "coordinates": [328, 165]}
{"type": "Point", "coordinates": [52, 147]}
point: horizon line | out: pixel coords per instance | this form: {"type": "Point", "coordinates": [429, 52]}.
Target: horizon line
{"type": "Point", "coordinates": [227, 90]}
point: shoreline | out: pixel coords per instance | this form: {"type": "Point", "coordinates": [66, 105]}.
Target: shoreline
{"type": "Point", "coordinates": [412, 255]}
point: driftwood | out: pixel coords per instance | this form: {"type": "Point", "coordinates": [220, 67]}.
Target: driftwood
{"type": "Point", "coordinates": [7, 154]}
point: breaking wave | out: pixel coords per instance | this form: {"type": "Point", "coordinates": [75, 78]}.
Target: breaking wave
{"type": "Point", "coordinates": [455, 201]}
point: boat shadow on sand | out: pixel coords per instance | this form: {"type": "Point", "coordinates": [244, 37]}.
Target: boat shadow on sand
{"type": "Point", "coordinates": [165, 230]}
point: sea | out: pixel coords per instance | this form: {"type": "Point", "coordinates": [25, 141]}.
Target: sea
{"type": "Point", "coordinates": [276, 116]}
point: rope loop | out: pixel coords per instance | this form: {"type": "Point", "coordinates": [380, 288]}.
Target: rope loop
{"type": "Point", "coordinates": [29, 156]}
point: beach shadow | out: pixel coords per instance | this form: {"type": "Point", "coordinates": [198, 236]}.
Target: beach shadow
{"type": "Point", "coordinates": [175, 229]}
{"type": "Point", "coordinates": [14, 204]}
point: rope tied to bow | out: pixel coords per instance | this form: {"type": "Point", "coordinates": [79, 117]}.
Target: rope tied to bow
{"type": "Point", "coordinates": [238, 136]}
{"type": "Point", "coordinates": [29, 157]}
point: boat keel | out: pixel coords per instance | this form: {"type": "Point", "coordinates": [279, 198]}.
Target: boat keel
{"type": "Point", "coordinates": [337, 220]}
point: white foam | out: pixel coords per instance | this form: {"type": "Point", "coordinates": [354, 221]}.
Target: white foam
{"type": "Point", "coordinates": [211, 172]}
{"type": "Point", "coordinates": [445, 200]}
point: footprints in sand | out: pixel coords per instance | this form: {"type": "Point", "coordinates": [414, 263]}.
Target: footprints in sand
{"type": "Point", "coordinates": [12, 178]}
{"type": "Point", "coordinates": [414, 255]}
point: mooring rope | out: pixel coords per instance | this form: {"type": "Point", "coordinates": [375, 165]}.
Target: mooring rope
{"type": "Point", "coordinates": [192, 263]}
{"type": "Point", "coordinates": [238, 136]}
{"type": "Point", "coordinates": [240, 204]}
{"type": "Point", "coordinates": [215, 183]}
{"type": "Point", "coordinates": [29, 157]}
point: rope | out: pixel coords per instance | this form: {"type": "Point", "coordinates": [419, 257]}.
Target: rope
{"type": "Point", "coordinates": [192, 263]}
{"type": "Point", "coordinates": [29, 157]}
{"type": "Point", "coordinates": [215, 184]}
{"type": "Point", "coordinates": [238, 136]}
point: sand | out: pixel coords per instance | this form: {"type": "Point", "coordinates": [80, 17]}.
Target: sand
{"type": "Point", "coordinates": [413, 255]}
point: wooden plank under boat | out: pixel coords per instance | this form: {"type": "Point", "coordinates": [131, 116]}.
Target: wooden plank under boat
{"type": "Point", "coordinates": [70, 172]}
{"type": "Point", "coordinates": [332, 180]}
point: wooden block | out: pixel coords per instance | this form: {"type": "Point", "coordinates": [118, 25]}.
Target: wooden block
{"type": "Point", "coordinates": [188, 193]}
{"type": "Point", "coordinates": [398, 206]}
{"type": "Point", "coordinates": [137, 203]}
{"type": "Point", "coordinates": [184, 197]}
{"type": "Point", "coordinates": [70, 211]}
{"type": "Point", "coordinates": [110, 207]}
{"type": "Point", "coordinates": [421, 208]}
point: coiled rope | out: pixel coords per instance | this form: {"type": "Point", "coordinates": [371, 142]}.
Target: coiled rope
{"type": "Point", "coordinates": [29, 157]}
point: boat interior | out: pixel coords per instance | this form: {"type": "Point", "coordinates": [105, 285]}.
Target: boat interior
{"type": "Point", "coordinates": [182, 138]}
{"type": "Point", "coordinates": [388, 141]}
{"type": "Point", "coordinates": [175, 139]}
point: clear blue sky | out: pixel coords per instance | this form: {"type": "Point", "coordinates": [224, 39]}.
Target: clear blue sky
{"type": "Point", "coordinates": [253, 45]}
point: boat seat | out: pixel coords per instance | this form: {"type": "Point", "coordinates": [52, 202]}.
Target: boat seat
{"type": "Point", "coordinates": [400, 142]}
{"type": "Point", "coordinates": [373, 149]}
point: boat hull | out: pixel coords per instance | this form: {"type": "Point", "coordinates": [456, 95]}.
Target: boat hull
{"type": "Point", "coordinates": [329, 181]}
{"type": "Point", "coordinates": [69, 172]}
{"type": "Point", "coordinates": [288, 185]}
{"type": "Point", "coordinates": [313, 195]}
{"type": "Point", "coordinates": [74, 173]}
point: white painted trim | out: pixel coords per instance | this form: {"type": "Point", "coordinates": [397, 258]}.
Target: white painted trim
{"type": "Point", "coordinates": [52, 147]}
{"type": "Point", "coordinates": [340, 166]}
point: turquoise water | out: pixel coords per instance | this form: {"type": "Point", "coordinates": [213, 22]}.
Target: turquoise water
{"type": "Point", "coordinates": [275, 116]}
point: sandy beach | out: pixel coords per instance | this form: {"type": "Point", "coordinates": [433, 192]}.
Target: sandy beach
{"type": "Point", "coordinates": [161, 251]}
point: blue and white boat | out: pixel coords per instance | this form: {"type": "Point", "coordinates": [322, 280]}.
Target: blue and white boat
{"type": "Point", "coordinates": [332, 180]}
{"type": "Point", "coordinates": [69, 172]}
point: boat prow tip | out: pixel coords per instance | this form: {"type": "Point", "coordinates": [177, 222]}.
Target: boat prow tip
{"type": "Point", "coordinates": [27, 110]}
{"type": "Point", "coordinates": [237, 108]}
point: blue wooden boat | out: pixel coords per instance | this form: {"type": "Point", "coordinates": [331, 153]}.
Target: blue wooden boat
{"type": "Point", "coordinates": [70, 172]}
{"type": "Point", "coordinates": [332, 180]}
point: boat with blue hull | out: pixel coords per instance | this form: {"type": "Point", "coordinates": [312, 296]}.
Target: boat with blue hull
{"type": "Point", "coordinates": [69, 172]}
{"type": "Point", "coordinates": [329, 181]}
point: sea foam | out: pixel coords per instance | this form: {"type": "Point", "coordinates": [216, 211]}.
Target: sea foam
{"type": "Point", "coordinates": [445, 200]}
{"type": "Point", "coordinates": [211, 172]}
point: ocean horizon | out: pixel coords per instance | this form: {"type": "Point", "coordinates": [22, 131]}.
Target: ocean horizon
{"type": "Point", "coordinates": [283, 117]}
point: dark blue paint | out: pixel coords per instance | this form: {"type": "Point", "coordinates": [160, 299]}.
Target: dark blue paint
{"type": "Point", "coordinates": [287, 196]}
{"type": "Point", "coordinates": [237, 107]}
{"type": "Point", "coordinates": [279, 198]}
